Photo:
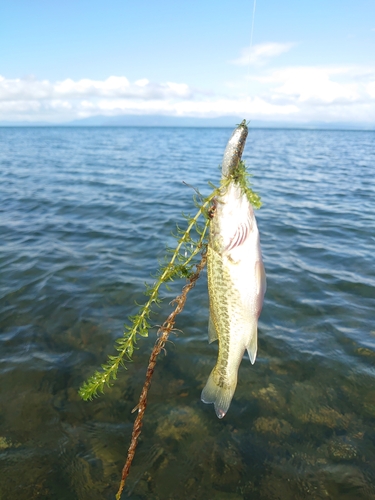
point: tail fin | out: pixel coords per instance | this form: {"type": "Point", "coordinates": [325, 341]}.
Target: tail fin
{"type": "Point", "coordinates": [220, 396]}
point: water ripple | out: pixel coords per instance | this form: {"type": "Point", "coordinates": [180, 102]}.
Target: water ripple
{"type": "Point", "coordinates": [84, 216]}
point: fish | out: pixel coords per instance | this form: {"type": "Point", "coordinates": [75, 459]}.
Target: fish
{"type": "Point", "coordinates": [236, 280]}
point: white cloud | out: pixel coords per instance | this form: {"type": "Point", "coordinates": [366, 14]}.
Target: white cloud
{"type": "Point", "coordinates": [261, 53]}
{"type": "Point", "coordinates": [371, 89]}
{"type": "Point", "coordinates": [114, 86]}
{"type": "Point", "coordinates": [330, 93]}
{"type": "Point", "coordinates": [316, 84]}
{"type": "Point", "coordinates": [142, 82]}
{"type": "Point", "coordinates": [246, 106]}
{"type": "Point", "coordinates": [292, 93]}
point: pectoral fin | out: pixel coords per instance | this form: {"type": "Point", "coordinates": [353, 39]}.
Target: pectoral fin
{"type": "Point", "coordinates": [212, 333]}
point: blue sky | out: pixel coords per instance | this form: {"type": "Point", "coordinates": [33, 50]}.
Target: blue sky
{"type": "Point", "coordinates": [310, 61]}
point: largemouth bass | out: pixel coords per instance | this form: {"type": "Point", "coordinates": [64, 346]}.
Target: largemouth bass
{"type": "Point", "coordinates": [236, 280]}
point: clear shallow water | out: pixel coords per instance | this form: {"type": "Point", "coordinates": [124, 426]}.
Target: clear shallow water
{"type": "Point", "coordinates": [84, 216]}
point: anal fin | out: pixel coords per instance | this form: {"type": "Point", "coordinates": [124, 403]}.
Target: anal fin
{"type": "Point", "coordinates": [252, 344]}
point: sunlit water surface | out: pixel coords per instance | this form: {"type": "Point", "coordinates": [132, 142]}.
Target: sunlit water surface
{"type": "Point", "coordinates": [85, 214]}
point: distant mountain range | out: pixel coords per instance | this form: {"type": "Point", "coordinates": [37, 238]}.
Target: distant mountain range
{"type": "Point", "coordinates": [176, 121]}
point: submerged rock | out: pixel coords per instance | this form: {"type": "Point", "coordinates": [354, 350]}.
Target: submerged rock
{"type": "Point", "coordinates": [274, 426]}
{"type": "Point", "coordinates": [179, 423]}
{"type": "Point", "coordinates": [346, 482]}
{"type": "Point", "coordinates": [6, 443]}
{"type": "Point", "coordinates": [328, 417]}
{"type": "Point", "coordinates": [342, 448]}
{"type": "Point", "coordinates": [270, 398]}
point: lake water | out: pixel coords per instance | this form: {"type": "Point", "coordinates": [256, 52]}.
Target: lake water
{"type": "Point", "coordinates": [85, 214]}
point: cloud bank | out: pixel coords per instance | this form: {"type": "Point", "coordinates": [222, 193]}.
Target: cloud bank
{"type": "Point", "coordinates": [298, 94]}
{"type": "Point", "coordinates": [113, 87]}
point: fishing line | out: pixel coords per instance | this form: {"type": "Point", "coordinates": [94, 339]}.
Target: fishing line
{"type": "Point", "coordinates": [251, 44]}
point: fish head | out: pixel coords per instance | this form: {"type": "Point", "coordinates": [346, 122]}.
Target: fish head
{"type": "Point", "coordinates": [233, 151]}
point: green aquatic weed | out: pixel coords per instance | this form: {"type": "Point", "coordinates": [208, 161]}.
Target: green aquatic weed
{"type": "Point", "coordinates": [179, 263]}
{"type": "Point", "coordinates": [242, 177]}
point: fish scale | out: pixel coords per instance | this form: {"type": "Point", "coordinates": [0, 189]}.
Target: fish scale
{"type": "Point", "coordinates": [236, 281]}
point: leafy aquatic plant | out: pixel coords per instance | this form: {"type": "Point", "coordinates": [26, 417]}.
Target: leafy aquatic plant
{"type": "Point", "coordinates": [179, 262]}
